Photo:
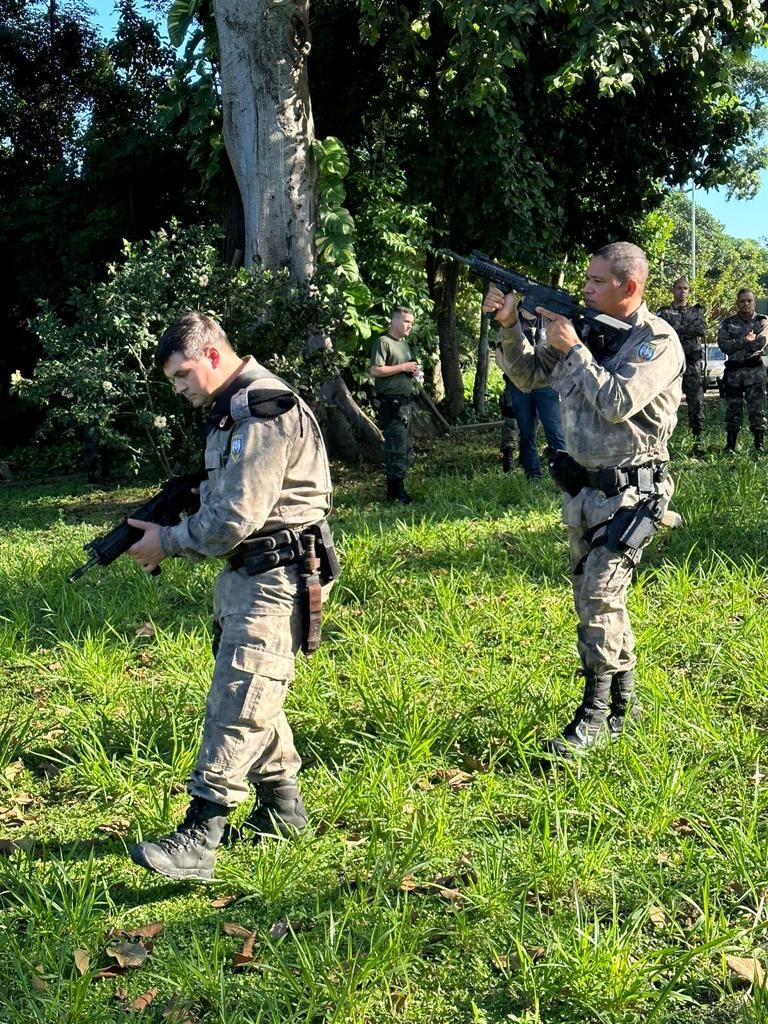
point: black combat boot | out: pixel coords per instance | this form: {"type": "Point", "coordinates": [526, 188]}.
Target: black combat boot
{"type": "Point", "coordinates": [590, 723]}
{"type": "Point", "coordinates": [506, 460]}
{"type": "Point", "coordinates": [190, 851]}
{"type": "Point", "coordinates": [625, 711]}
{"type": "Point", "coordinates": [759, 437]}
{"type": "Point", "coordinates": [731, 435]}
{"type": "Point", "coordinates": [279, 813]}
{"type": "Point", "coordinates": [401, 494]}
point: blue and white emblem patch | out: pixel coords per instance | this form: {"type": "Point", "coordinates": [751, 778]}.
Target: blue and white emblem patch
{"type": "Point", "coordinates": [646, 351]}
{"type": "Point", "coordinates": [236, 448]}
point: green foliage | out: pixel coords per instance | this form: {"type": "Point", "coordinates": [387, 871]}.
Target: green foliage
{"type": "Point", "coordinates": [96, 375]}
{"type": "Point", "coordinates": [335, 245]}
{"type": "Point", "coordinates": [723, 264]}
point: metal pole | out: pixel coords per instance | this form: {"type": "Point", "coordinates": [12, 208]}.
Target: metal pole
{"type": "Point", "coordinates": [693, 232]}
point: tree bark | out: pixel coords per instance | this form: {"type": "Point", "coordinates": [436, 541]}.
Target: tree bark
{"type": "Point", "coordinates": [445, 279]}
{"type": "Point", "coordinates": [268, 128]}
{"type": "Point", "coordinates": [480, 389]}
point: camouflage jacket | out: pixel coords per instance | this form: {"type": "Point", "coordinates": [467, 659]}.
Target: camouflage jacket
{"type": "Point", "coordinates": [732, 339]}
{"type": "Point", "coordinates": [689, 325]}
{"type": "Point", "coordinates": [618, 412]}
{"type": "Point", "coordinates": [266, 464]}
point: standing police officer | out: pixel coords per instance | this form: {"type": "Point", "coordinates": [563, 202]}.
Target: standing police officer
{"type": "Point", "coordinates": [689, 325]}
{"type": "Point", "coordinates": [393, 370]}
{"type": "Point", "coordinates": [267, 483]}
{"type": "Point", "coordinates": [743, 338]}
{"type": "Point", "coordinates": [619, 397]}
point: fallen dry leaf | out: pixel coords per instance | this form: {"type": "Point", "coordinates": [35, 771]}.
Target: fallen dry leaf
{"type": "Point", "coordinates": [145, 629]}
{"type": "Point", "coordinates": [657, 917]}
{"type": "Point", "coordinates": [10, 846]}
{"type": "Point", "coordinates": [38, 983]}
{"type": "Point", "coordinates": [237, 931]}
{"type": "Point", "coordinates": [748, 968]}
{"type": "Point", "coordinates": [245, 957]}
{"type": "Point", "coordinates": [82, 960]}
{"type": "Point", "coordinates": [140, 1003]}
{"type": "Point", "coordinates": [178, 1010]}
{"type": "Point", "coordinates": [683, 826]}
{"type": "Point", "coordinates": [222, 901]}
{"type": "Point", "coordinates": [279, 929]}
{"type": "Point", "coordinates": [128, 954]}
{"type": "Point", "coordinates": [117, 828]}
{"type": "Point", "coordinates": [146, 931]}
{"type": "Point", "coordinates": [112, 971]}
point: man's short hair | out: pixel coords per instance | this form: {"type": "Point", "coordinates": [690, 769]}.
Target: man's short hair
{"type": "Point", "coordinates": [681, 280]}
{"type": "Point", "coordinates": [744, 291]}
{"type": "Point", "coordinates": [191, 335]}
{"type": "Point", "coordinates": [397, 311]}
{"type": "Point", "coordinates": [626, 260]}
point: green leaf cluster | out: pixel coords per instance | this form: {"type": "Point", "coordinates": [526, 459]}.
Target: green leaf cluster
{"type": "Point", "coordinates": [96, 379]}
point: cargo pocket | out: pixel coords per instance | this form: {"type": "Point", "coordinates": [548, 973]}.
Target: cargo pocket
{"type": "Point", "coordinates": [266, 675]}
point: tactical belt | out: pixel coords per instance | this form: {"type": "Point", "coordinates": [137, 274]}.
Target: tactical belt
{"type": "Point", "coordinates": [748, 364]}
{"type": "Point", "coordinates": [614, 479]}
{"type": "Point", "coordinates": [312, 548]}
{"type": "Point", "coordinates": [401, 399]}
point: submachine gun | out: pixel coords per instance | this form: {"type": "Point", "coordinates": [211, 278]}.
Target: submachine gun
{"type": "Point", "coordinates": [534, 294]}
{"type": "Point", "coordinates": [164, 508]}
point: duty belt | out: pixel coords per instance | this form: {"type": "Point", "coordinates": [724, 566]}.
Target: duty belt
{"type": "Point", "coordinates": [312, 548]}
{"type": "Point", "coordinates": [748, 364]}
{"type": "Point", "coordinates": [614, 479]}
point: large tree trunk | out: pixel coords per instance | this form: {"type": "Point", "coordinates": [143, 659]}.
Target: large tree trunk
{"type": "Point", "coordinates": [444, 285]}
{"type": "Point", "coordinates": [268, 129]}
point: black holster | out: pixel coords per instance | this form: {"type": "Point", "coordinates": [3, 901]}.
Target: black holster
{"type": "Point", "coordinates": [569, 475]}
{"type": "Point", "coordinates": [631, 528]}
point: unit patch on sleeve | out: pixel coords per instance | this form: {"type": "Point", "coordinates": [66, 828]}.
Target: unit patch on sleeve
{"type": "Point", "coordinates": [236, 448]}
{"type": "Point", "coordinates": [646, 351]}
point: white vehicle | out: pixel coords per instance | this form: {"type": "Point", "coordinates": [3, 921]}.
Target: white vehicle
{"type": "Point", "coordinates": [713, 367]}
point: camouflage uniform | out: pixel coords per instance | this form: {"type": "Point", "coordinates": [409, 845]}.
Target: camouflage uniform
{"type": "Point", "coordinates": [618, 414]}
{"type": "Point", "coordinates": [393, 399]}
{"type": "Point", "coordinates": [267, 469]}
{"type": "Point", "coordinates": [689, 325]}
{"type": "Point", "coordinates": [744, 376]}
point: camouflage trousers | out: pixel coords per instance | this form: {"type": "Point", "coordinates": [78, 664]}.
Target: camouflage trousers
{"type": "Point", "coordinates": [600, 579]}
{"type": "Point", "coordinates": [746, 385]}
{"type": "Point", "coordinates": [693, 389]}
{"type": "Point", "coordinates": [395, 419]}
{"type": "Point", "coordinates": [246, 736]}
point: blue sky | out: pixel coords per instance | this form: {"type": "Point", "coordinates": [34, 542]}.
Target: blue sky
{"type": "Point", "coordinates": [741, 218]}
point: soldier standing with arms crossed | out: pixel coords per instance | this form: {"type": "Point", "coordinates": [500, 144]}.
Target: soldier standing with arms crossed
{"type": "Point", "coordinates": [619, 397]}
{"type": "Point", "coordinates": [743, 338]}
{"type": "Point", "coordinates": [395, 373]}
{"type": "Point", "coordinates": [267, 483]}
{"type": "Point", "coordinates": [689, 325]}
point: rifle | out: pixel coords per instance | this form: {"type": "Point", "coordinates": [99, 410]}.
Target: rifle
{"type": "Point", "coordinates": [163, 508]}
{"type": "Point", "coordinates": [534, 293]}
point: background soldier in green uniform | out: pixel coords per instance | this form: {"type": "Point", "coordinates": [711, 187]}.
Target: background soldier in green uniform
{"type": "Point", "coordinates": [267, 482]}
{"type": "Point", "coordinates": [688, 322]}
{"type": "Point", "coordinates": [395, 373]}
{"type": "Point", "coordinates": [619, 398]}
{"type": "Point", "coordinates": [743, 338]}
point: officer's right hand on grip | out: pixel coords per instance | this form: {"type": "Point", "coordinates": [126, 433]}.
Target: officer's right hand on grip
{"type": "Point", "coordinates": [502, 307]}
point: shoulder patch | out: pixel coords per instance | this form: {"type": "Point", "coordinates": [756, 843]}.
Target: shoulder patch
{"type": "Point", "coordinates": [646, 351]}
{"type": "Point", "coordinates": [236, 447]}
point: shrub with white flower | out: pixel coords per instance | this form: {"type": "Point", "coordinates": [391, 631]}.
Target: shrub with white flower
{"type": "Point", "coordinates": [160, 422]}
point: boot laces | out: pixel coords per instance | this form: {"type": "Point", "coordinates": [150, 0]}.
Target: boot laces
{"type": "Point", "coordinates": [184, 838]}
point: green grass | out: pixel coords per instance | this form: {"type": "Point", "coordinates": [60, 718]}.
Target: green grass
{"type": "Point", "coordinates": [446, 877]}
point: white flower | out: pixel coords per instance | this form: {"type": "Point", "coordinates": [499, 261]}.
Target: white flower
{"type": "Point", "coordinates": [107, 385]}
{"type": "Point", "coordinates": [66, 393]}
{"type": "Point", "coordinates": [16, 377]}
{"type": "Point", "coordinates": [160, 422]}
{"type": "Point", "coordinates": [202, 280]}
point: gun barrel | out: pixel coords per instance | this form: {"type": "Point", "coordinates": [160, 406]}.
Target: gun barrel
{"type": "Point", "coordinates": [455, 256]}
{"type": "Point", "coordinates": [93, 560]}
